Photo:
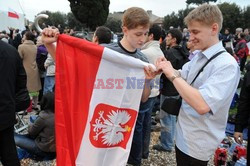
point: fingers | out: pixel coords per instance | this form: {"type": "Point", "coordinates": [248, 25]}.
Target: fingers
{"type": "Point", "coordinates": [238, 137]}
{"type": "Point", "coordinates": [149, 72]}
{"type": "Point", "coordinates": [160, 59]}
{"type": "Point", "coordinates": [50, 32]}
{"type": "Point", "coordinates": [161, 65]}
{"type": "Point", "coordinates": [49, 35]}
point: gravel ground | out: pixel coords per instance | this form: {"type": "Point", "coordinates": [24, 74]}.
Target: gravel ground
{"type": "Point", "coordinates": [155, 158]}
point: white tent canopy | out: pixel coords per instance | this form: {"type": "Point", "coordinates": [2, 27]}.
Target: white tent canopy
{"type": "Point", "coordinates": [11, 15]}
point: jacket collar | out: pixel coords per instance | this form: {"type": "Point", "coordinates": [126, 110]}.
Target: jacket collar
{"type": "Point", "coordinates": [28, 42]}
{"type": "Point", "coordinates": [150, 44]}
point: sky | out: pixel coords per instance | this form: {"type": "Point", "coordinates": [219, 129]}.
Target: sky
{"type": "Point", "coordinates": [160, 8]}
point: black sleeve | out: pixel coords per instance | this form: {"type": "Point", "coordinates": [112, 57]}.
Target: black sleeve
{"type": "Point", "coordinates": [21, 75]}
{"type": "Point", "coordinates": [243, 112]}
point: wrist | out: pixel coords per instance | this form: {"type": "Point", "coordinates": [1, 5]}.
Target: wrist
{"type": "Point", "coordinates": [176, 74]}
{"type": "Point", "coordinates": [147, 83]}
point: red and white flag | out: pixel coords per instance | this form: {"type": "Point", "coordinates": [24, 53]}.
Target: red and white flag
{"type": "Point", "coordinates": [98, 92]}
{"type": "Point", "coordinates": [13, 14]}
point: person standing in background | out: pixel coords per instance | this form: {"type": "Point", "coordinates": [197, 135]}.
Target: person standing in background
{"type": "Point", "coordinates": [13, 78]}
{"type": "Point", "coordinates": [28, 51]}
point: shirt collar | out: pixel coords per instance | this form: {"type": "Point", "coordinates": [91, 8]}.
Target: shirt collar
{"type": "Point", "coordinates": [213, 50]}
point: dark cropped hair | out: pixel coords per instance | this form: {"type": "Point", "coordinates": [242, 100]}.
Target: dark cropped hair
{"type": "Point", "coordinates": [156, 31]}
{"type": "Point", "coordinates": [29, 36]}
{"type": "Point", "coordinates": [48, 102]}
{"type": "Point", "coordinates": [103, 34]}
{"type": "Point", "coordinates": [242, 35]}
{"type": "Point", "coordinates": [176, 33]}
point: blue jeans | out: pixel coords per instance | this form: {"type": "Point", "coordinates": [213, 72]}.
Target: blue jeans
{"type": "Point", "coordinates": [28, 144]}
{"type": "Point", "coordinates": [168, 127]}
{"type": "Point", "coordinates": [141, 138]}
{"type": "Point", "coordinates": [49, 83]}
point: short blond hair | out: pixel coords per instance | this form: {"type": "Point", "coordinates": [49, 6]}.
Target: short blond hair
{"type": "Point", "coordinates": [134, 17]}
{"type": "Point", "coordinates": [205, 14]}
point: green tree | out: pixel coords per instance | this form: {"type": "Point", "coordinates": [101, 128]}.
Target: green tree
{"type": "Point", "coordinates": [114, 24]}
{"type": "Point", "coordinates": [199, 2]}
{"type": "Point", "coordinates": [73, 23]}
{"type": "Point", "coordinates": [181, 15]}
{"type": "Point", "coordinates": [92, 13]}
{"type": "Point", "coordinates": [170, 20]}
{"type": "Point", "coordinates": [246, 17]}
{"type": "Point", "coordinates": [232, 17]}
{"type": "Point", "coordinates": [176, 20]}
{"type": "Point", "coordinates": [55, 19]}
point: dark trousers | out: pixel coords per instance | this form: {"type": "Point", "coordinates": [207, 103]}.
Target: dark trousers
{"type": "Point", "coordinates": [8, 153]}
{"type": "Point", "coordinates": [141, 138]}
{"type": "Point", "coordinates": [184, 160]}
{"type": "Point", "coordinates": [242, 63]}
{"type": "Point", "coordinates": [248, 147]}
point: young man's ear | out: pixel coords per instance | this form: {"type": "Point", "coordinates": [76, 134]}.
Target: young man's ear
{"type": "Point", "coordinates": [151, 36]}
{"type": "Point", "coordinates": [125, 30]}
{"type": "Point", "coordinates": [174, 40]}
{"type": "Point", "coordinates": [95, 40]}
{"type": "Point", "coordinates": [215, 29]}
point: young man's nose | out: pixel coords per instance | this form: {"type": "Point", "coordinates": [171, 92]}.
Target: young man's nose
{"type": "Point", "coordinates": [191, 37]}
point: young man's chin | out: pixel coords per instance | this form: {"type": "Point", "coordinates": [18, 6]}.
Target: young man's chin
{"type": "Point", "coordinates": [139, 46]}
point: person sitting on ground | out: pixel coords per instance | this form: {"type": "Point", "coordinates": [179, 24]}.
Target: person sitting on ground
{"type": "Point", "coordinates": [40, 140]}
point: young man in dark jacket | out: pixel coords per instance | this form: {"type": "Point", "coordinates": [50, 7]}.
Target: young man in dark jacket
{"type": "Point", "coordinates": [178, 57]}
{"type": "Point", "coordinates": [243, 115]}
{"type": "Point", "coordinates": [13, 78]}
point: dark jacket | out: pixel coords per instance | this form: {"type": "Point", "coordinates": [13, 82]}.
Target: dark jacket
{"type": "Point", "coordinates": [243, 114]}
{"type": "Point", "coordinates": [17, 40]}
{"type": "Point", "coordinates": [178, 57]}
{"type": "Point", "coordinates": [13, 78]}
{"type": "Point", "coordinates": [43, 129]}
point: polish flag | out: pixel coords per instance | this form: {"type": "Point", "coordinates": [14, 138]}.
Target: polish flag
{"type": "Point", "coordinates": [98, 92]}
{"type": "Point", "coordinates": [13, 14]}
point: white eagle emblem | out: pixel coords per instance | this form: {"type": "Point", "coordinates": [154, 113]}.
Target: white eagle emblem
{"type": "Point", "coordinates": [111, 128]}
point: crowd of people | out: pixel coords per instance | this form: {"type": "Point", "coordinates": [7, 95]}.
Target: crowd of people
{"type": "Point", "coordinates": [206, 95]}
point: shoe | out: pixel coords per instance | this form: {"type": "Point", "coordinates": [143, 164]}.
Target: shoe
{"type": "Point", "coordinates": [153, 122]}
{"type": "Point", "coordinates": [160, 148]}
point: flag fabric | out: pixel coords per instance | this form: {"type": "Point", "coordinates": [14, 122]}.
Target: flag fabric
{"type": "Point", "coordinates": [13, 14]}
{"type": "Point", "coordinates": [98, 92]}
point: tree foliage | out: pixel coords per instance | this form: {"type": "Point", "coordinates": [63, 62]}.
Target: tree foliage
{"type": "Point", "coordinates": [55, 19]}
{"type": "Point", "coordinates": [199, 2]}
{"type": "Point", "coordinates": [232, 16]}
{"type": "Point", "coordinates": [170, 20]}
{"type": "Point", "coordinates": [246, 17]}
{"type": "Point", "coordinates": [92, 13]}
{"type": "Point", "coordinates": [176, 19]}
{"type": "Point", "coordinates": [114, 24]}
{"type": "Point", "coordinates": [73, 23]}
